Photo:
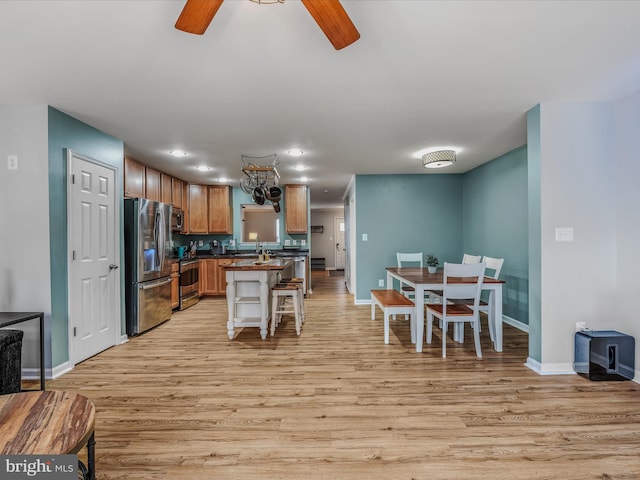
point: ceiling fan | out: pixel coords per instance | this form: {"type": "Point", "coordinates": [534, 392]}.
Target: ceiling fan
{"type": "Point", "coordinates": [328, 14]}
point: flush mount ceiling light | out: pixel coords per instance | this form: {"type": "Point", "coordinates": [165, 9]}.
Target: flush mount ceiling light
{"type": "Point", "coordinates": [267, 2]}
{"type": "Point", "coordinates": [203, 168]}
{"type": "Point", "coordinates": [304, 179]}
{"type": "Point", "coordinates": [178, 153]}
{"type": "Point", "coordinates": [295, 152]}
{"type": "Point", "coordinates": [300, 168]}
{"type": "Point", "coordinates": [439, 159]}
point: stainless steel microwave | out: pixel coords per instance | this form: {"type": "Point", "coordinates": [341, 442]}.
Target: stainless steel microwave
{"type": "Point", "coordinates": [177, 219]}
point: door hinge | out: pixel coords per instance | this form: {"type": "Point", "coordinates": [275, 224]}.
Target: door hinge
{"type": "Point", "coordinates": [75, 331]}
{"type": "Point", "coordinates": [73, 256]}
{"type": "Point", "coordinates": [73, 179]}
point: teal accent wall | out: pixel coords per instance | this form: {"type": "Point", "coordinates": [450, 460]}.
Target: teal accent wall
{"type": "Point", "coordinates": [535, 234]}
{"type": "Point", "coordinates": [405, 213]}
{"type": "Point", "coordinates": [495, 223]}
{"type": "Point", "coordinates": [66, 132]}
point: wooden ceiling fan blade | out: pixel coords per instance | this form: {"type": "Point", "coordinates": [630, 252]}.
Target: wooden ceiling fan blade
{"type": "Point", "coordinates": [334, 21]}
{"type": "Point", "coordinates": [197, 15]}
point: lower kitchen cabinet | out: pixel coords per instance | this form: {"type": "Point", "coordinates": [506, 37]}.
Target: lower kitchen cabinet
{"type": "Point", "coordinates": [175, 285]}
{"type": "Point", "coordinates": [209, 276]}
{"type": "Point", "coordinates": [222, 275]}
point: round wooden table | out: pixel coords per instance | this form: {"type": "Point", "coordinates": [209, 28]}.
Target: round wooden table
{"type": "Point", "coordinates": [47, 423]}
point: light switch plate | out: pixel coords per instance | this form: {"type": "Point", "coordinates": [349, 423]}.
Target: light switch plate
{"type": "Point", "coordinates": [12, 162]}
{"type": "Point", "coordinates": [564, 234]}
{"type": "Point", "coordinates": [365, 237]}
{"type": "Point", "coordinates": [287, 243]}
{"type": "Point", "coordinates": [303, 243]}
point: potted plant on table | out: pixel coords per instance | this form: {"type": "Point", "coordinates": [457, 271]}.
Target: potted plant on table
{"type": "Point", "coordinates": [432, 263]}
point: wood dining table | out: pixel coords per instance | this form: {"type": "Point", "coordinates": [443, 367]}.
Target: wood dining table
{"type": "Point", "coordinates": [421, 280]}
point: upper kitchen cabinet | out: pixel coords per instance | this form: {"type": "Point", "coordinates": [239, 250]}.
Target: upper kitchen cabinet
{"type": "Point", "coordinates": [134, 176]}
{"type": "Point", "coordinates": [165, 188]}
{"type": "Point", "coordinates": [295, 209]}
{"type": "Point", "coordinates": [152, 184]}
{"type": "Point", "coordinates": [198, 209]}
{"type": "Point", "coordinates": [177, 187]}
{"type": "Point", "coordinates": [220, 209]}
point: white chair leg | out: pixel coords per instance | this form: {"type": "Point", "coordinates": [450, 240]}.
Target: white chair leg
{"type": "Point", "coordinates": [476, 336]}
{"type": "Point", "coordinates": [444, 338]}
{"type": "Point", "coordinates": [413, 327]}
{"type": "Point", "coordinates": [429, 326]}
{"type": "Point", "coordinates": [386, 328]}
{"type": "Point", "coordinates": [296, 312]}
{"type": "Point", "coordinates": [373, 308]}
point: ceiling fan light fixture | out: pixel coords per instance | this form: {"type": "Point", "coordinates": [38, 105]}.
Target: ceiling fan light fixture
{"type": "Point", "coordinates": [439, 159]}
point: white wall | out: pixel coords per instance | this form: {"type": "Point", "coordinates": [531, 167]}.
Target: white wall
{"type": "Point", "coordinates": [24, 236]}
{"type": "Point", "coordinates": [324, 244]}
{"type": "Point", "coordinates": [578, 190]}
{"type": "Point", "coordinates": [625, 314]}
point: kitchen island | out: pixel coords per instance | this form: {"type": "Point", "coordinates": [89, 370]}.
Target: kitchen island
{"type": "Point", "coordinates": [249, 285]}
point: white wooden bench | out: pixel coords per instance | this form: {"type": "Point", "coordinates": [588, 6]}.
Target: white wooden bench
{"type": "Point", "coordinates": [392, 302]}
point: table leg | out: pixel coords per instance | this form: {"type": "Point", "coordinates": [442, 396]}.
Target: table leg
{"type": "Point", "coordinates": [231, 306]}
{"type": "Point", "coordinates": [264, 306]}
{"type": "Point", "coordinates": [42, 362]}
{"type": "Point", "coordinates": [91, 460]}
{"type": "Point", "coordinates": [497, 316]}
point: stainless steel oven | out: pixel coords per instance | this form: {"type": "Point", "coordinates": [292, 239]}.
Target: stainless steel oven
{"type": "Point", "coordinates": [189, 281]}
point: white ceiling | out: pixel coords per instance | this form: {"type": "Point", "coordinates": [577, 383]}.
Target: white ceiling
{"type": "Point", "coordinates": [264, 79]}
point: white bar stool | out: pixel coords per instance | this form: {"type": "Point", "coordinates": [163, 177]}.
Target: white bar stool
{"type": "Point", "coordinates": [299, 282]}
{"type": "Point", "coordinates": [280, 293]}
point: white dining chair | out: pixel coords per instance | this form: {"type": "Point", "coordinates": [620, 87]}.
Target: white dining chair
{"type": "Point", "coordinates": [466, 258]}
{"type": "Point", "coordinates": [408, 260]}
{"type": "Point", "coordinates": [436, 295]}
{"type": "Point", "coordinates": [457, 313]}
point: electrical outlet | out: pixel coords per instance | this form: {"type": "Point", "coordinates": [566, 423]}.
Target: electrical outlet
{"type": "Point", "coordinates": [380, 282]}
{"type": "Point", "coordinates": [295, 242]}
{"type": "Point", "coordinates": [303, 243]}
{"type": "Point", "coordinates": [12, 162]}
{"type": "Point", "coordinates": [365, 237]}
{"type": "Point", "coordinates": [200, 243]}
{"type": "Point", "coordinates": [287, 243]}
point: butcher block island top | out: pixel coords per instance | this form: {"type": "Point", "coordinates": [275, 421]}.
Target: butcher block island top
{"type": "Point", "coordinates": [253, 265]}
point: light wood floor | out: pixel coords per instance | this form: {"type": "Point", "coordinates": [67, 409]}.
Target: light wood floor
{"type": "Point", "coordinates": [184, 402]}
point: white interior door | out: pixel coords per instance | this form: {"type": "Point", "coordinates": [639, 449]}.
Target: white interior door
{"type": "Point", "coordinates": [340, 247]}
{"type": "Point", "coordinates": [94, 278]}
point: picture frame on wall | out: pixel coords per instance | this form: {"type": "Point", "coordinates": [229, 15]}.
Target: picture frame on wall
{"type": "Point", "coordinates": [317, 228]}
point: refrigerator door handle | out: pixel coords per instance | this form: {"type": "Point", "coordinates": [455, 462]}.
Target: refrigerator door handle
{"type": "Point", "coordinates": [147, 286]}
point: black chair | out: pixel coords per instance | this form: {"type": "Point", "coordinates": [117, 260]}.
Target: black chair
{"type": "Point", "coordinates": [10, 361]}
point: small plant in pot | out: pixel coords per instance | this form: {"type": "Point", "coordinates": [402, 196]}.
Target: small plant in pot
{"type": "Point", "coordinates": [432, 263]}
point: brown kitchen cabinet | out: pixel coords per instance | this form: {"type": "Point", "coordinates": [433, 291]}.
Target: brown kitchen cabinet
{"type": "Point", "coordinates": [198, 209]}
{"type": "Point", "coordinates": [220, 209]}
{"type": "Point", "coordinates": [134, 177]}
{"type": "Point", "coordinates": [165, 188]}
{"type": "Point", "coordinates": [177, 187]}
{"type": "Point", "coordinates": [175, 285]}
{"type": "Point", "coordinates": [295, 205]}
{"type": "Point", "coordinates": [152, 184]}
{"type": "Point", "coordinates": [222, 274]}
{"type": "Point", "coordinates": [208, 276]}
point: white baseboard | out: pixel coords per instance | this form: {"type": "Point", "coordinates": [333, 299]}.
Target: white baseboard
{"type": "Point", "coordinates": [34, 373]}
{"type": "Point", "coordinates": [515, 323]}
{"type": "Point", "coordinates": [550, 368]}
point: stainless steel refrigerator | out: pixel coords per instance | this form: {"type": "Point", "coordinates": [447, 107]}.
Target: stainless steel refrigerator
{"type": "Point", "coordinates": [147, 233]}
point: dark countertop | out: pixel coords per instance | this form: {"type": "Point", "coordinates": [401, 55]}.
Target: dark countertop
{"type": "Point", "coordinates": [248, 254]}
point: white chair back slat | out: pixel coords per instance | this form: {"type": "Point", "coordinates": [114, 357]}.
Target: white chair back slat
{"type": "Point", "coordinates": [415, 259]}
{"type": "Point", "coordinates": [467, 259]}
{"type": "Point", "coordinates": [494, 264]}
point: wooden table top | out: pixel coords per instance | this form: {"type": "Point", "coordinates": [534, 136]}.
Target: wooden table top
{"type": "Point", "coordinates": [251, 265]}
{"type": "Point", "coordinates": [45, 422]}
{"type": "Point", "coordinates": [421, 275]}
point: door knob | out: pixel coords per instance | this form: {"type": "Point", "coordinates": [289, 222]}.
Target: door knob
{"type": "Point", "coordinates": [113, 266]}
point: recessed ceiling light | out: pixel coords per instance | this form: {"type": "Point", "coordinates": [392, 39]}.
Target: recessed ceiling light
{"type": "Point", "coordinates": [178, 153]}
{"type": "Point", "coordinates": [326, 190]}
{"type": "Point", "coordinates": [203, 168]}
{"type": "Point", "coordinates": [295, 152]}
{"type": "Point", "coordinates": [300, 167]}
{"type": "Point", "coordinates": [304, 179]}
{"type": "Point", "coordinates": [223, 179]}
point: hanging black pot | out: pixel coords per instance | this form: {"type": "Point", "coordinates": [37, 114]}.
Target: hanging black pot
{"type": "Point", "coordinates": [258, 196]}
{"type": "Point", "coordinates": [275, 194]}
{"type": "Point", "coordinates": [276, 207]}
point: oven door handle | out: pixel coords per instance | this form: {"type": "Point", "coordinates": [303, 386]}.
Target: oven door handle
{"type": "Point", "coordinates": [147, 286]}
